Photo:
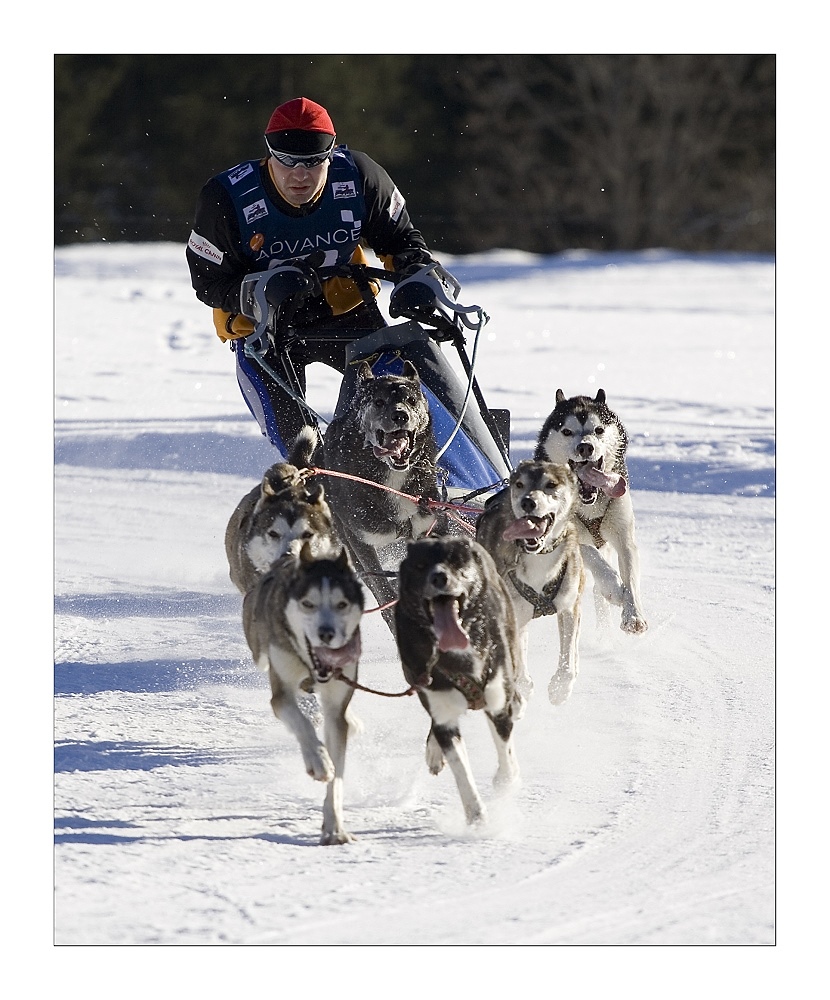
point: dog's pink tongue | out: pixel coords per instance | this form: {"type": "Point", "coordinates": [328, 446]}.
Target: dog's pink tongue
{"type": "Point", "coordinates": [446, 625]}
{"type": "Point", "coordinates": [610, 483]}
{"type": "Point", "coordinates": [393, 446]}
{"type": "Point", "coordinates": [524, 527]}
{"type": "Point", "coordinates": [343, 656]}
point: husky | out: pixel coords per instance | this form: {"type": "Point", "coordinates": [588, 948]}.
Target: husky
{"type": "Point", "coordinates": [302, 624]}
{"type": "Point", "coordinates": [589, 437]}
{"type": "Point", "coordinates": [286, 510]}
{"type": "Point", "coordinates": [529, 530]}
{"type": "Point", "coordinates": [458, 643]}
{"type": "Point", "coordinates": [385, 437]}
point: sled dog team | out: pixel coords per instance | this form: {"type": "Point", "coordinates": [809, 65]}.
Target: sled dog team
{"type": "Point", "coordinates": [302, 543]}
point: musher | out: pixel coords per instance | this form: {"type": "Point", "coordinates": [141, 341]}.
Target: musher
{"type": "Point", "coordinates": [307, 198]}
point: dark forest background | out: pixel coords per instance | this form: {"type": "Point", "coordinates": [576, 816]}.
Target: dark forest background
{"type": "Point", "coordinates": [534, 152]}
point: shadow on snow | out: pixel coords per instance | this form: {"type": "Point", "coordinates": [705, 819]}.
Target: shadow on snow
{"type": "Point", "coordinates": [106, 755]}
{"type": "Point", "coordinates": [154, 676]}
{"type": "Point", "coordinates": [162, 604]}
{"type": "Point", "coordinates": [249, 457]}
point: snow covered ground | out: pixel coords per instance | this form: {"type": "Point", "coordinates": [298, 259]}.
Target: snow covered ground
{"type": "Point", "coordinates": [646, 811]}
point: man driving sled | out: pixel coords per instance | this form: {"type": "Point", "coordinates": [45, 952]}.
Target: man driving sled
{"type": "Point", "coordinates": [308, 201]}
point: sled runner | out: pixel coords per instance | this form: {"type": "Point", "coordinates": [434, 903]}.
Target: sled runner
{"type": "Point", "coordinates": [473, 440]}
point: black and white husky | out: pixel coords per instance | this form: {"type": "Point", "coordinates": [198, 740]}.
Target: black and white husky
{"type": "Point", "coordinates": [457, 640]}
{"type": "Point", "coordinates": [385, 437]}
{"type": "Point", "coordinates": [589, 437]}
{"type": "Point", "coordinates": [530, 532]}
{"type": "Point", "coordinates": [302, 624]}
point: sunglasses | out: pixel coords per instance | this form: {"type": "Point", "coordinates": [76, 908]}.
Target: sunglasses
{"type": "Point", "coordinates": [314, 160]}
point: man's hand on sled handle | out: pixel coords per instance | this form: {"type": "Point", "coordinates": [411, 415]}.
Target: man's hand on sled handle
{"type": "Point", "coordinates": [270, 298]}
{"type": "Point", "coordinates": [428, 293]}
{"type": "Point", "coordinates": [409, 263]}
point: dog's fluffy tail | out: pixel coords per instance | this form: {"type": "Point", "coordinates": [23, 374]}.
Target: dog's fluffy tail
{"type": "Point", "coordinates": [354, 723]}
{"type": "Point", "coordinates": [306, 446]}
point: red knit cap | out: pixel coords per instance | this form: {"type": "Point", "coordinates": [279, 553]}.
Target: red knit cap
{"type": "Point", "coordinates": [300, 114]}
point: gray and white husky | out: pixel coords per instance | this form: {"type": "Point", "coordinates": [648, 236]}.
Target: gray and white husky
{"type": "Point", "coordinates": [529, 530]}
{"type": "Point", "coordinates": [302, 624]}
{"type": "Point", "coordinates": [282, 513]}
{"type": "Point", "coordinates": [587, 435]}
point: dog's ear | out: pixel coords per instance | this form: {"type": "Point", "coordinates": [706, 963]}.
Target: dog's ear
{"type": "Point", "coordinates": [314, 492]}
{"type": "Point", "coordinates": [364, 371]}
{"type": "Point", "coordinates": [410, 371]}
{"type": "Point", "coordinates": [343, 561]}
{"type": "Point", "coordinates": [600, 396]}
{"type": "Point", "coordinates": [306, 555]}
{"type": "Point", "coordinates": [560, 396]}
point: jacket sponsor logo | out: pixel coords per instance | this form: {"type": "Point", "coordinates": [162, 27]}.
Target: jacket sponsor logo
{"type": "Point", "coordinates": [204, 248]}
{"type": "Point", "coordinates": [344, 189]}
{"type": "Point", "coordinates": [396, 204]}
{"type": "Point", "coordinates": [347, 217]}
{"type": "Point", "coordinates": [236, 174]}
{"type": "Point", "coordinates": [283, 249]}
{"type": "Point", "coordinates": [256, 210]}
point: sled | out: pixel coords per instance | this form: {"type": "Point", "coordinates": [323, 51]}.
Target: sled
{"type": "Point", "coordinates": [473, 440]}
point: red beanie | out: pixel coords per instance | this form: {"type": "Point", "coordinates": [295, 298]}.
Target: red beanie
{"type": "Point", "coordinates": [300, 114]}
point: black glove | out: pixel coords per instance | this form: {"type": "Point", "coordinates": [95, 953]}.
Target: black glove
{"type": "Point", "coordinates": [286, 289]}
{"type": "Point", "coordinates": [308, 265]}
{"type": "Point", "coordinates": [287, 283]}
{"type": "Point", "coordinates": [409, 261]}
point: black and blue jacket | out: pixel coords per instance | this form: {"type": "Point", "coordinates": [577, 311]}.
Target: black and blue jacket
{"type": "Point", "coordinates": [242, 225]}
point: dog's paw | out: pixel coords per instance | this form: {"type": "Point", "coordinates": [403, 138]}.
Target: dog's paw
{"type": "Point", "coordinates": [634, 625]}
{"type": "Point", "coordinates": [475, 814]}
{"type": "Point", "coordinates": [519, 705]}
{"type": "Point", "coordinates": [339, 836]}
{"type": "Point", "coordinates": [560, 687]}
{"type": "Point", "coordinates": [524, 684]}
{"type": "Point", "coordinates": [319, 765]}
{"type": "Point", "coordinates": [434, 756]}
{"type": "Point", "coordinates": [506, 777]}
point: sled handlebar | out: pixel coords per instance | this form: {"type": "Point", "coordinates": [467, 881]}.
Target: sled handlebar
{"type": "Point", "coordinates": [434, 288]}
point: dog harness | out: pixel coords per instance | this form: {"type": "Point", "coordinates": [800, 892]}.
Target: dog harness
{"type": "Point", "coordinates": [543, 603]}
{"type": "Point", "coordinates": [593, 525]}
{"type": "Point", "coordinates": [472, 690]}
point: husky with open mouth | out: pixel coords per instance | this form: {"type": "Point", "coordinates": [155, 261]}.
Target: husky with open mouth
{"type": "Point", "coordinates": [530, 531]}
{"type": "Point", "coordinates": [385, 437]}
{"type": "Point", "coordinates": [458, 643]}
{"type": "Point", "coordinates": [302, 624]}
{"type": "Point", "coordinates": [587, 435]}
